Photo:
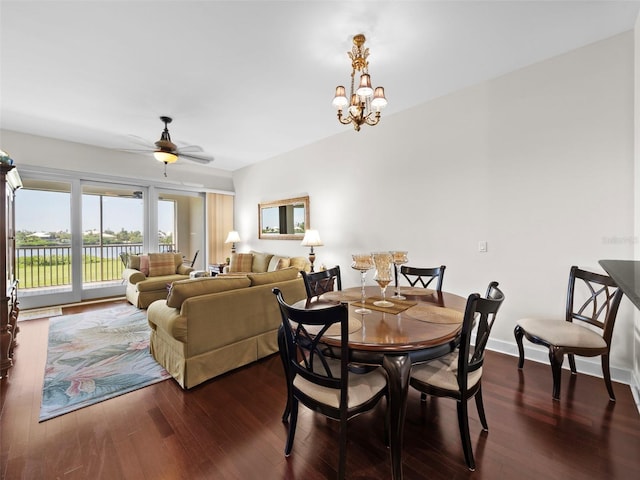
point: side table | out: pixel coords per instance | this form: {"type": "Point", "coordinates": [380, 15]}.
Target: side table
{"type": "Point", "coordinates": [216, 268]}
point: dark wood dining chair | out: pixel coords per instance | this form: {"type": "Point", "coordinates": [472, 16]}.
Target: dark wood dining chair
{"type": "Point", "coordinates": [319, 381]}
{"type": "Point", "coordinates": [459, 374]}
{"type": "Point", "coordinates": [592, 300]}
{"type": "Point", "coordinates": [190, 263]}
{"type": "Point", "coordinates": [317, 283]}
{"type": "Point", "coordinates": [424, 276]}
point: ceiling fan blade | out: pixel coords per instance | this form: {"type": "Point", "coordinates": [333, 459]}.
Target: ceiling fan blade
{"type": "Point", "coordinates": [143, 142]}
{"type": "Point", "coordinates": [202, 158]}
{"type": "Point", "coordinates": [189, 148]}
{"type": "Point", "coordinates": [136, 150]}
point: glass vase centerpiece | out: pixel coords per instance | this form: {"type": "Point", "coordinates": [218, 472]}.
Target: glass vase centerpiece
{"type": "Point", "coordinates": [383, 276]}
{"type": "Point", "coordinates": [399, 258]}
{"type": "Point", "coordinates": [362, 262]}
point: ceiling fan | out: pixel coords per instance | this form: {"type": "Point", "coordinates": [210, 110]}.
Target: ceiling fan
{"type": "Point", "coordinates": [164, 150]}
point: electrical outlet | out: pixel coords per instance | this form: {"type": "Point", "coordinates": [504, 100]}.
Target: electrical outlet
{"type": "Point", "coordinates": [482, 246]}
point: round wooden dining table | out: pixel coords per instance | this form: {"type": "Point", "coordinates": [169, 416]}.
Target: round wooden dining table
{"type": "Point", "coordinates": [424, 326]}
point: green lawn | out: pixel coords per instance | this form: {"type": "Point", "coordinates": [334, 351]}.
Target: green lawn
{"type": "Point", "coordinates": [95, 270]}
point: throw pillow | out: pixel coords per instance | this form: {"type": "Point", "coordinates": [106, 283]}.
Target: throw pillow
{"type": "Point", "coordinates": [301, 263]}
{"type": "Point", "coordinates": [283, 263]}
{"type": "Point", "coordinates": [144, 265]}
{"type": "Point", "coordinates": [162, 264]}
{"type": "Point", "coordinates": [240, 262]}
{"type": "Point", "coordinates": [134, 262]}
{"type": "Point", "coordinates": [260, 261]}
{"type": "Point", "coordinates": [273, 277]}
{"type": "Point", "coordinates": [277, 263]}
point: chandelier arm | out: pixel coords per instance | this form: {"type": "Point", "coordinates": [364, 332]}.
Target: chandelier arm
{"type": "Point", "coordinates": [369, 121]}
{"type": "Point", "coordinates": [344, 121]}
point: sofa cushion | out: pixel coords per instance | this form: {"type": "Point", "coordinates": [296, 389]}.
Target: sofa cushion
{"type": "Point", "coordinates": [241, 262]}
{"type": "Point", "coordinates": [134, 262]}
{"type": "Point", "coordinates": [162, 264]}
{"type": "Point", "coordinates": [301, 263]}
{"type": "Point", "coordinates": [152, 284]}
{"type": "Point", "coordinates": [193, 287]}
{"type": "Point", "coordinates": [260, 261]}
{"type": "Point", "coordinates": [273, 277]}
{"type": "Point", "coordinates": [144, 264]}
{"type": "Point", "coordinates": [278, 262]}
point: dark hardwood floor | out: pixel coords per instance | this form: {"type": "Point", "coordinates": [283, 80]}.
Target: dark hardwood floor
{"type": "Point", "coordinates": [230, 428]}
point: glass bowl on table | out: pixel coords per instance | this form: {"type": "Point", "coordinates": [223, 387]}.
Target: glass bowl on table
{"type": "Point", "coordinates": [383, 276]}
{"type": "Point", "coordinates": [362, 262]}
{"type": "Point", "coordinates": [399, 258]}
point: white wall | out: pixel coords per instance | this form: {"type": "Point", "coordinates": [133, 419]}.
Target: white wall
{"type": "Point", "coordinates": [539, 163]}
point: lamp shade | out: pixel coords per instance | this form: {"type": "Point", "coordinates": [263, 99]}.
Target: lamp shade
{"type": "Point", "coordinates": [340, 100]}
{"type": "Point", "coordinates": [365, 90]}
{"type": "Point", "coordinates": [166, 157]}
{"type": "Point", "coordinates": [233, 237]}
{"type": "Point", "coordinates": [379, 100]}
{"type": "Point", "coordinates": [311, 239]}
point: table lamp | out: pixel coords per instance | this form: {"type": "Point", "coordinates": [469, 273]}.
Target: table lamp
{"type": "Point", "coordinates": [311, 239]}
{"type": "Point", "coordinates": [233, 238]}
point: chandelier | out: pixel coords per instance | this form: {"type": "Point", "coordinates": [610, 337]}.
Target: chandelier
{"type": "Point", "coordinates": [364, 103]}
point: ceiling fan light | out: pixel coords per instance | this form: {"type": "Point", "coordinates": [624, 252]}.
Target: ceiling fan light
{"type": "Point", "coordinates": [165, 157]}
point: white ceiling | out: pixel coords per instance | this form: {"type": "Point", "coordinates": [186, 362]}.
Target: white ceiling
{"type": "Point", "coordinates": [247, 80]}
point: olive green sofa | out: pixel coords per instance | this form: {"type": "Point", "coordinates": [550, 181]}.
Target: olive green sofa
{"type": "Point", "coordinates": [147, 276]}
{"type": "Point", "coordinates": [209, 326]}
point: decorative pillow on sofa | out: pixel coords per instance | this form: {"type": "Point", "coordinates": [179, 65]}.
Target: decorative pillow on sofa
{"type": "Point", "coordinates": [260, 261]}
{"type": "Point", "coordinates": [240, 262]}
{"type": "Point", "coordinates": [144, 264]}
{"type": "Point", "coordinates": [273, 277]}
{"type": "Point", "coordinates": [133, 262]}
{"type": "Point", "coordinates": [183, 289]}
{"type": "Point", "coordinates": [301, 263]}
{"type": "Point", "coordinates": [161, 264]}
{"type": "Point", "coordinates": [278, 263]}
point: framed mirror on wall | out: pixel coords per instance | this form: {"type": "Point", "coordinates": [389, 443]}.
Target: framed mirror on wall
{"type": "Point", "coordinates": [283, 219]}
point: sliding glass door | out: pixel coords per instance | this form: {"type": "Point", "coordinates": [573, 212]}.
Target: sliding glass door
{"type": "Point", "coordinates": [113, 226]}
{"type": "Point", "coordinates": [73, 236]}
{"type": "Point", "coordinates": [44, 241]}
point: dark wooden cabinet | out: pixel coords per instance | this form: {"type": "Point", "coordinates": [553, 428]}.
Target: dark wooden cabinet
{"type": "Point", "coordinates": [9, 181]}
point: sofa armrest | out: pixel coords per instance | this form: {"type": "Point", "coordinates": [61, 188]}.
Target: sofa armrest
{"type": "Point", "coordinates": [132, 275]}
{"type": "Point", "coordinates": [184, 269]}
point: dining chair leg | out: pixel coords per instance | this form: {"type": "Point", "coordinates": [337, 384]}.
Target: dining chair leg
{"type": "Point", "coordinates": [480, 406]}
{"type": "Point", "coordinates": [283, 357]}
{"type": "Point", "coordinates": [463, 425]}
{"type": "Point", "coordinates": [518, 332]}
{"type": "Point", "coordinates": [293, 421]}
{"type": "Point", "coordinates": [556, 358]}
{"type": "Point", "coordinates": [607, 376]}
{"type": "Point", "coordinates": [572, 363]}
{"type": "Point", "coordinates": [342, 465]}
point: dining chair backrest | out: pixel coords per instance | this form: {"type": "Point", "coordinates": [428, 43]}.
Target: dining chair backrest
{"type": "Point", "coordinates": [424, 276]}
{"type": "Point", "coordinates": [481, 312]}
{"type": "Point", "coordinates": [190, 263]}
{"type": "Point", "coordinates": [306, 355]}
{"type": "Point", "coordinates": [599, 298]}
{"type": "Point", "coordinates": [317, 283]}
